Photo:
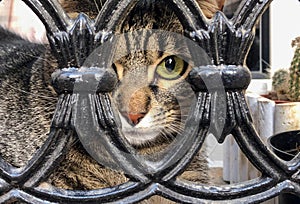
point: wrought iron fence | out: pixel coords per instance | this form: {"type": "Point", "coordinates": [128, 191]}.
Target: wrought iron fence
{"type": "Point", "coordinates": [226, 41]}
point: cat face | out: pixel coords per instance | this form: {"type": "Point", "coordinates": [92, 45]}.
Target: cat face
{"type": "Point", "coordinates": [147, 100]}
{"type": "Point", "coordinates": [152, 95]}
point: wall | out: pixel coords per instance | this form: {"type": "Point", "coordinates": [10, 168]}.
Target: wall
{"type": "Point", "coordinates": [285, 15]}
{"type": "Point", "coordinates": [16, 16]}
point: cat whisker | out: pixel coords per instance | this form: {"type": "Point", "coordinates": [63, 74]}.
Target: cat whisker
{"type": "Point", "coordinates": [165, 136]}
{"type": "Point", "coordinates": [175, 129]}
{"type": "Point", "coordinates": [47, 109]}
{"type": "Point", "coordinates": [29, 93]}
{"type": "Point", "coordinates": [48, 62]}
{"type": "Point", "coordinates": [97, 6]}
{"type": "Point", "coordinates": [38, 58]}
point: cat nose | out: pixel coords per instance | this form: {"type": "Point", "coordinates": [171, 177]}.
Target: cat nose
{"type": "Point", "coordinates": [135, 118]}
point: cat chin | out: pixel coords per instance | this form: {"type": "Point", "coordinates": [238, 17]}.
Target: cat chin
{"type": "Point", "coordinates": [141, 137]}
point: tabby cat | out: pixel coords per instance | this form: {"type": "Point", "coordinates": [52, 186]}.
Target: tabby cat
{"type": "Point", "coordinates": [147, 95]}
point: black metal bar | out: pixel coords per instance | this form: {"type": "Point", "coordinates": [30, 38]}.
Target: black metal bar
{"type": "Point", "coordinates": [92, 196]}
{"type": "Point", "coordinates": [113, 14]}
{"type": "Point", "coordinates": [85, 107]}
{"type": "Point", "coordinates": [51, 14]}
{"type": "Point", "coordinates": [221, 193]}
{"type": "Point", "coordinates": [189, 14]}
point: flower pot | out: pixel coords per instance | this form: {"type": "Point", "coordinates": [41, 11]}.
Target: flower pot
{"type": "Point", "coordinates": [269, 117]}
{"type": "Point", "coordinates": [286, 145]}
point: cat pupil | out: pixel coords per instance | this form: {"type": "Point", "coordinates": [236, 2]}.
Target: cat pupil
{"type": "Point", "coordinates": [170, 64]}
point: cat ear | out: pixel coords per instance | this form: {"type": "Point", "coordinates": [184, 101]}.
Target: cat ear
{"type": "Point", "coordinates": [220, 4]}
{"type": "Point", "coordinates": [210, 7]}
{"type": "Point", "coordinates": [16, 52]}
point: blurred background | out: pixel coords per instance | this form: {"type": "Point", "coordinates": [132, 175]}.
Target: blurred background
{"type": "Point", "coordinates": [17, 17]}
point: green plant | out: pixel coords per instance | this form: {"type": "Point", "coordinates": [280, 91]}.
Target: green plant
{"type": "Point", "coordinates": [286, 83]}
{"type": "Point", "coordinates": [280, 83]}
{"type": "Point", "coordinates": [294, 82]}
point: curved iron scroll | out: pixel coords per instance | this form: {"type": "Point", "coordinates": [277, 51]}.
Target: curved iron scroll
{"type": "Point", "coordinates": [226, 42]}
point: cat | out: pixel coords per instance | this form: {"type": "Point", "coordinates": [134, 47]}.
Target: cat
{"type": "Point", "coordinates": [28, 105]}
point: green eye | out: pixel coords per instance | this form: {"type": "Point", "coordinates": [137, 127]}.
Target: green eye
{"type": "Point", "coordinates": [171, 67]}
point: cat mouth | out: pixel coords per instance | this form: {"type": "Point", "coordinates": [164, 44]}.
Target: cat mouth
{"type": "Point", "coordinates": [141, 134]}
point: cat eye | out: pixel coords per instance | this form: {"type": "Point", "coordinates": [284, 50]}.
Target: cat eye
{"type": "Point", "coordinates": [172, 67]}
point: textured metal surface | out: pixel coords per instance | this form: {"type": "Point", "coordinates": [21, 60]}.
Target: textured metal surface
{"type": "Point", "coordinates": [226, 42]}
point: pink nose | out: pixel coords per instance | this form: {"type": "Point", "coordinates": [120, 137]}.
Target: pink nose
{"type": "Point", "coordinates": [136, 118]}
